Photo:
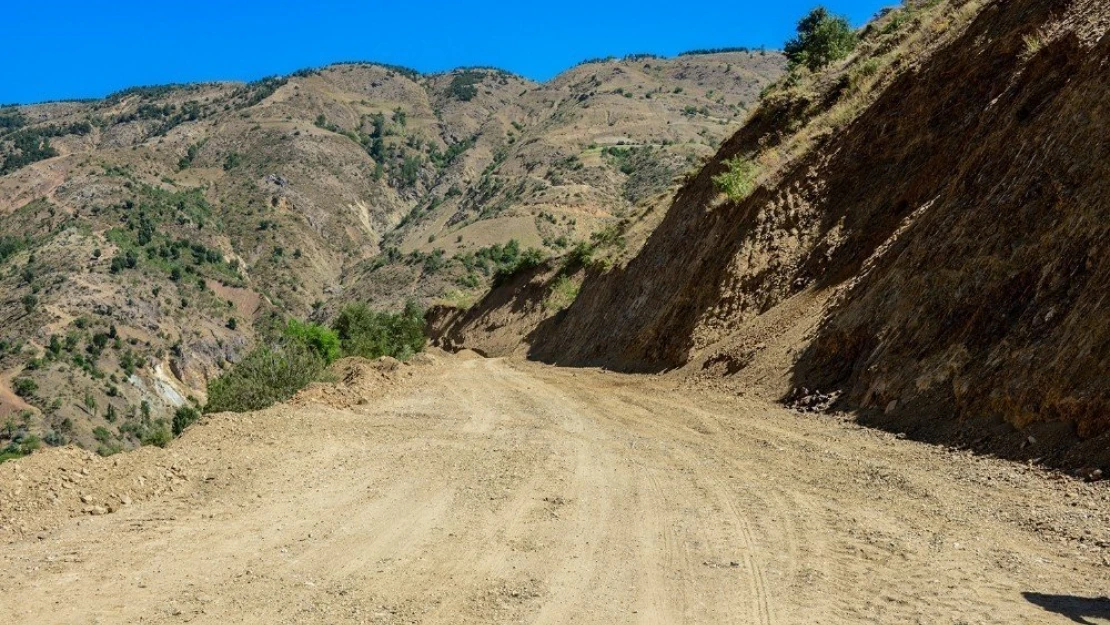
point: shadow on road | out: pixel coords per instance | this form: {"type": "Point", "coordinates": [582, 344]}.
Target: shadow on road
{"type": "Point", "coordinates": [1078, 609]}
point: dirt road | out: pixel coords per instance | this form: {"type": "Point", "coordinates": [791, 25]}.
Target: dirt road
{"type": "Point", "coordinates": [489, 491]}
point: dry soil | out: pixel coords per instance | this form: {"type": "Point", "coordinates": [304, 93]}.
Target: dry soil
{"type": "Point", "coordinates": [493, 491]}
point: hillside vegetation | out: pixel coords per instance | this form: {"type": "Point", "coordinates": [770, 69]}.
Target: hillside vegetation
{"type": "Point", "coordinates": [150, 239]}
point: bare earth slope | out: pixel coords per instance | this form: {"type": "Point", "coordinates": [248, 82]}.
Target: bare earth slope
{"type": "Point", "coordinates": [487, 491]}
{"type": "Point", "coordinates": [925, 240]}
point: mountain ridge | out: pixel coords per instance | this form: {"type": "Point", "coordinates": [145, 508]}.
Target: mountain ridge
{"type": "Point", "coordinates": [153, 233]}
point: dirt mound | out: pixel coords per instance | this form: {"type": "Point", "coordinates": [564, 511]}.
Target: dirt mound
{"type": "Point", "coordinates": [423, 359]}
{"type": "Point", "coordinates": [468, 354]}
{"type": "Point", "coordinates": [43, 490]}
{"type": "Point", "coordinates": [356, 382]}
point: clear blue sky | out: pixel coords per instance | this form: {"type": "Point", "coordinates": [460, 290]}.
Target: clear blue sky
{"type": "Point", "coordinates": [65, 49]}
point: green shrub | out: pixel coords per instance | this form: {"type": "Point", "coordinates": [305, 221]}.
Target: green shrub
{"type": "Point", "coordinates": [20, 447]}
{"type": "Point", "coordinates": [464, 84]}
{"type": "Point", "coordinates": [158, 435]}
{"type": "Point", "coordinates": [267, 375]}
{"type": "Point", "coordinates": [275, 372]}
{"type": "Point", "coordinates": [9, 246]}
{"type": "Point", "coordinates": [370, 334]}
{"type": "Point", "coordinates": [581, 255]}
{"type": "Point", "coordinates": [11, 119]}
{"type": "Point", "coordinates": [739, 181]}
{"type": "Point", "coordinates": [183, 417]}
{"type": "Point", "coordinates": [232, 160]}
{"type": "Point", "coordinates": [29, 444]}
{"type": "Point", "coordinates": [822, 38]}
{"type": "Point", "coordinates": [528, 259]}
{"type": "Point", "coordinates": [24, 387]}
{"type": "Point", "coordinates": [324, 341]}
{"type": "Point", "coordinates": [109, 449]}
{"type": "Point", "coordinates": [410, 171]}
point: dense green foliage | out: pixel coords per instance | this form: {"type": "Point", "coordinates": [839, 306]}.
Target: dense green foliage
{"type": "Point", "coordinates": [443, 159]}
{"type": "Point", "coordinates": [267, 375]}
{"type": "Point", "coordinates": [10, 246]}
{"type": "Point", "coordinates": [622, 157]}
{"type": "Point", "coordinates": [167, 116]}
{"type": "Point", "coordinates": [370, 334]}
{"type": "Point", "coordinates": [146, 237]}
{"type": "Point", "coordinates": [410, 171]}
{"type": "Point", "coordinates": [24, 387]}
{"type": "Point", "coordinates": [501, 261]}
{"type": "Point", "coordinates": [254, 92]}
{"type": "Point", "coordinates": [528, 259]}
{"type": "Point", "coordinates": [27, 146]}
{"type": "Point", "coordinates": [635, 56]}
{"type": "Point", "coordinates": [464, 84]}
{"type": "Point", "coordinates": [322, 340]}
{"type": "Point", "coordinates": [280, 367]}
{"type": "Point", "coordinates": [191, 154]}
{"type": "Point", "coordinates": [407, 72]}
{"type": "Point", "coordinates": [10, 119]}
{"type": "Point", "coordinates": [822, 38]}
{"type": "Point", "coordinates": [183, 417]}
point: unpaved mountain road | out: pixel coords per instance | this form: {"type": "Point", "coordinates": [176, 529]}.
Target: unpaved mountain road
{"type": "Point", "coordinates": [490, 491]}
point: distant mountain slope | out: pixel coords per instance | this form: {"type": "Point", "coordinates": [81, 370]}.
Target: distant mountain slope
{"type": "Point", "coordinates": [143, 237]}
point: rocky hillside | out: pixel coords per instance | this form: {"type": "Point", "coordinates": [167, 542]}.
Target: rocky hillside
{"type": "Point", "coordinates": [922, 242]}
{"type": "Point", "coordinates": [146, 236]}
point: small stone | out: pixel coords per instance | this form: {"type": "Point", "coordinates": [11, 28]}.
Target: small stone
{"type": "Point", "coordinates": [86, 498]}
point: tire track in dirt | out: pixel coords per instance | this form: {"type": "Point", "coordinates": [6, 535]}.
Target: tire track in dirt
{"type": "Point", "coordinates": [501, 492]}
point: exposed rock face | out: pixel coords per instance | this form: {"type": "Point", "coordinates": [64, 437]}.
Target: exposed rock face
{"type": "Point", "coordinates": [993, 302]}
{"type": "Point", "coordinates": [951, 237]}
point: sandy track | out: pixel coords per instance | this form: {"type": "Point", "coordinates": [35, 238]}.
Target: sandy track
{"type": "Point", "coordinates": [489, 491]}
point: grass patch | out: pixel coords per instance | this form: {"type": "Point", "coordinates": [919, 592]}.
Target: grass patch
{"type": "Point", "coordinates": [1033, 44]}
{"type": "Point", "coordinates": [739, 181]}
{"type": "Point", "coordinates": [562, 294]}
